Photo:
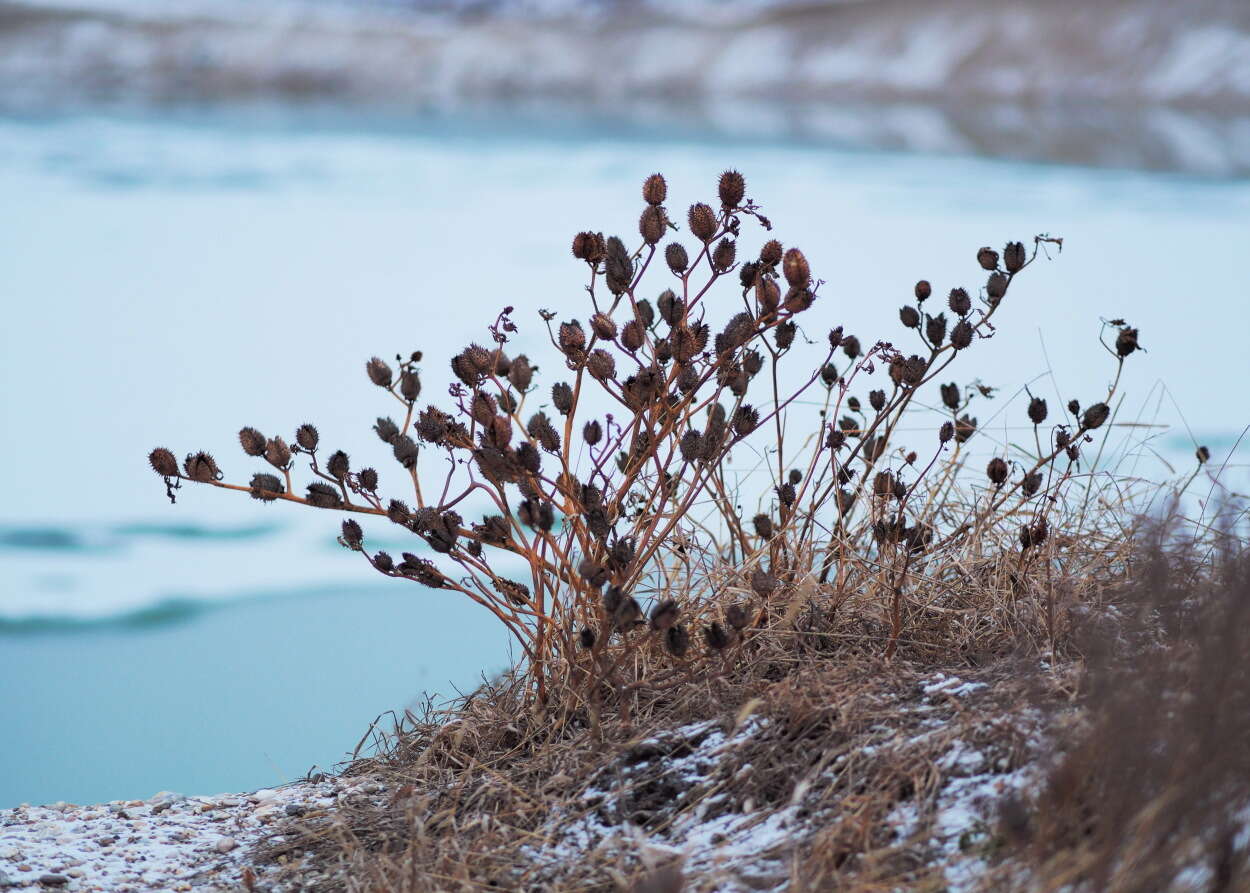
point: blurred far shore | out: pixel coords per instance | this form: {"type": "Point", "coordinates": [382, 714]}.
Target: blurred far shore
{"type": "Point", "coordinates": [1117, 83]}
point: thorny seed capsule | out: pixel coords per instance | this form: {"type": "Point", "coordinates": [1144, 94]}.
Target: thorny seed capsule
{"type": "Point", "coordinates": [632, 335]}
{"type": "Point", "coordinates": [950, 395]}
{"type": "Point", "coordinates": [965, 427]}
{"type": "Point", "coordinates": [338, 465]}
{"type": "Point", "coordinates": [996, 471]}
{"type": "Point", "coordinates": [770, 253]}
{"type": "Point", "coordinates": [935, 329]}
{"type": "Point", "coordinates": [323, 496]}
{"type": "Point", "coordinates": [586, 638]}
{"type": "Point", "coordinates": [795, 268]}
{"type": "Point", "coordinates": [923, 290]}
{"type": "Point", "coordinates": [784, 334]}
{"type": "Point", "coordinates": [1095, 416]}
{"type": "Point", "coordinates": [724, 254]}
{"type": "Point", "coordinates": [1031, 483]}
{"type": "Point", "coordinates": [572, 338]}
{"type": "Point", "coordinates": [405, 450]}
{"type": "Point", "coordinates": [715, 636]}
{"type": "Point", "coordinates": [763, 583]}
{"type": "Point", "coordinates": [1126, 341]}
{"type": "Point", "coordinates": [876, 399]}
{"type": "Point", "coordinates": [752, 362]}
{"type": "Point", "coordinates": [652, 224]}
{"type": "Point", "coordinates": [368, 479]}
{"type": "Point", "coordinates": [589, 247]}
{"type": "Point", "coordinates": [307, 437]}
{"type": "Point", "coordinates": [383, 562]}
{"type": "Point", "coordinates": [601, 365]}
{"type": "Point", "coordinates": [654, 190]}
{"type": "Point", "coordinates": [747, 273]}
{"type": "Point", "coordinates": [675, 255]}
{"type": "Point", "coordinates": [529, 458]}
{"type": "Point", "coordinates": [677, 641]}
{"type": "Point", "coordinates": [594, 574]}
{"type": "Point", "coordinates": [835, 337]}
{"type": "Point", "coordinates": [540, 428]}
{"type": "Point", "coordinates": [737, 616]}
{"type": "Point", "coordinates": [692, 446]}
{"type": "Point", "coordinates": [732, 188]}
{"type": "Point", "coordinates": [1062, 438]}
{"type": "Point", "coordinates": [163, 462]}
{"type": "Point", "coordinates": [463, 370]}
{"type": "Point", "coordinates": [767, 295]}
{"type": "Point", "coordinates": [959, 301]}
{"type": "Point", "coordinates": [883, 484]}
{"type": "Point", "coordinates": [1074, 406]}
{"type": "Point", "coordinates": [431, 425]}
{"type": "Point", "coordinates": [482, 407]}
{"type": "Point", "coordinates": [386, 429]}
{"type": "Point", "coordinates": [786, 494]}
{"type": "Point", "coordinates": [353, 536]}
{"type": "Point", "coordinates": [850, 346]}
{"type": "Point", "coordinates": [409, 386]}
{"type": "Point", "coordinates": [672, 308]}
{"type": "Point", "coordinates": [852, 404]}
{"type": "Point", "coordinates": [277, 453]}
{"type": "Point", "coordinates": [988, 258]}
{"type": "Point", "coordinates": [645, 312]}
{"type": "Point", "coordinates": [252, 441]}
{"type": "Point", "coordinates": [379, 372]}
{"type": "Point", "coordinates": [520, 373]}
{"type": "Point", "coordinates": [946, 432]}
{"type": "Point", "coordinates": [702, 222]}
{"type": "Point", "coordinates": [795, 477]}
{"type": "Point", "coordinates": [592, 433]}
{"type": "Point", "coordinates": [664, 615]}
{"type": "Point", "coordinates": [1033, 535]}
{"type": "Point", "coordinates": [961, 335]}
{"type": "Point", "coordinates": [829, 374]}
{"type": "Point", "coordinates": [798, 299]}
{"type": "Point", "coordinates": [995, 288]}
{"type": "Point", "coordinates": [562, 397]}
{"type": "Point", "coordinates": [909, 316]}
{"type": "Point", "coordinates": [763, 526]}
{"type": "Point", "coordinates": [480, 360]}
{"type": "Point", "coordinates": [746, 420]}
{"type": "Point", "coordinates": [1037, 410]}
{"type": "Point", "coordinates": [1202, 453]}
{"type": "Point", "coordinates": [618, 268]}
{"type": "Point", "coordinates": [266, 487]}
{"type": "Point", "coordinates": [1013, 257]}
{"type": "Point", "coordinates": [687, 379]}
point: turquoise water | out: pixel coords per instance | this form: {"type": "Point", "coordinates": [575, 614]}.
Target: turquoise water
{"type": "Point", "coordinates": [166, 281]}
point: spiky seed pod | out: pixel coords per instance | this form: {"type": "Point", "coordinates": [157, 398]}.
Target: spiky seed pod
{"type": "Point", "coordinates": [786, 494]}
{"type": "Point", "coordinates": [593, 573]}
{"type": "Point", "coordinates": [627, 613]}
{"type": "Point", "coordinates": [988, 258]}
{"type": "Point", "coordinates": [677, 641]}
{"type": "Point", "coordinates": [1033, 535]}
{"type": "Point", "coordinates": [383, 562]}
{"type": "Point", "coordinates": [536, 514]}
{"type": "Point", "coordinates": [621, 554]}
{"type": "Point", "coordinates": [961, 335]}
{"type": "Point", "coordinates": [995, 288]}
{"type": "Point", "coordinates": [562, 397]}
{"type": "Point", "coordinates": [163, 462]}
{"type": "Point", "coordinates": [517, 593]}
{"type": "Point", "coordinates": [652, 224]}
{"type": "Point", "coordinates": [692, 446]}
{"type": "Point", "coordinates": [935, 329]}
{"type": "Point", "coordinates": [463, 370]}
{"type": "Point", "coordinates": [632, 335]}
{"type": "Point", "coordinates": [684, 343]}
{"type": "Point", "coordinates": [923, 290]}
{"type": "Point", "coordinates": [959, 302]}
{"type": "Point", "coordinates": [1037, 410]}
{"type": "Point", "coordinates": [603, 326]}
{"type": "Point", "coordinates": [338, 465]}
{"type": "Point", "coordinates": [747, 274]}
{"type": "Point", "coordinates": [732, 188]}
{"type": "Point", "coordinates": [849, 425]}
{"type": "Point", "coordinates": [252, 441]}
{"type": "Point", "coordinates": [1062, 438]}
{"type": "Point", "coordinates": [529, 458]}
{"type": "Point", "coordinates": [601, 365]}
{"type": "Point", "coordinates": [480, 359]}
{"type": "Point", "coordinates": [738, 331]}
{"type": "Point", "coordinates": [572, 339]}
{"type": "Point", "coordinates": [752, 362]}
{"type": "Point", "coordinates": [767, 295]}
{"type": "Point", "coordinates": [846, 501]}
{"type": "Point", "coordinates": [431, 425]}
{"type": "Point", "coordinates": [672, 308]}
{"type": "Point", "coordinates": [909, 316]}
{"type": "Point", "coordinates": [589, 247]}
{"type": "Point", "coordinates": [1095, 416]}
{"type": "Point", "coordinates": [277, 453]}
{"type": "Point", "coordinates": [876, 399]}
{"type": "Point", "coordinates": [702, 222]}
{"type": "Point", "coordinates": [829, 374]}
{"type": "Point", "coordinates": [1031, 483]}
{"type": "Point", "coordinates": [1074, 452]}
{"type": "Point", "coordinates": [654, 190]}
{"type": "Point", "coordinates": [715, 636]}
{"type": "Point", "coordinates": [1126, 341]}
{"type": "Point", "coordinates": [664, 615]}
{"type": "Point", "coordinates": [503, 365]}
{"type": "Point", "coordinates": [1203, 454]}
{"type": "Point", "coordinates": [996, 471]}
{"type": "Point", "coordinates": [795, 268]}
{"type": "Point", "coordinates": [850, 347]}
{"type": "Point", "coordinates": [493, 530]}
{"type": "Point", "coordinates": [946, 432]}
{"type": "Point", "coordinates": [307, 437]}
{"type": "Point", "coordinates": [410, 385]}
{"type": "Point", "coordinates": [520, 373]}
{"type": "Point", "coordinates": [397, 512]}
{"type": "Point", "coordinates": [795, 477]}
{"type": "Point", "coordinates": [965, 427]}
{"type": "Point", "coordinates": [1013, 257]}
{"type": "Point", "coordinates": [539, 427]}
{"type": "Point", "coordinates": [738, 616]}
{"type": "Point", "coordinates": [950, 395]}
{"type": "Point", "coordinates": [746, 420]}
{"type": "Point", "coordinates": [379, 372]}
{"type": "Point", "coordinates": [724, 255]}
{"type": "Point", "coordinates": [763, 583]}
{"type": "Point", "coordinates": [687, 379]}
{"type": "Point", "coordinates": [482, 407]}
{"type": "Point", "coordinates": [1074, 407]}
{"type": "Point", "coordinates": [508, 403]}
{"type": "Point", "coordinates": [586, 638]}
{"type": "Point", "coordinates": [323, 496]}
{"type": "Point", "coordinates": [353, 536]}
{"type": "Point", "coordinates": [914, 369]}
{"type": "Point", "coordinates": [405, 450]}
{"type": "Point", "coordinates": [421, 570]}
{"type": "Point", "coordinates": [676, 257]}
{"type": "Point", "coordinates": [644, 312]}
{"type": "Point", "coordinates": [618, 268]}
{"type": "Point", "coordinates": [852, 404]}
{"type": "Point", "coordinates": [763, 526]}
{"type": "Point", "coordinates": [836, 438]}
{"type": "Point", "coordinates": [368, 479]}
{"type": "Point", "coordinates": [592, 433]}
{"type": "Point", "coordinates": [266, 487]}
{"type": "Point", "coordinates": [883, 484]}
{"type": "Point", "coordinates": [784, 334]}
{"type": "Point", "coordinates": [798, 299]}
{"type": "Point", "coordinates": [663, 351]}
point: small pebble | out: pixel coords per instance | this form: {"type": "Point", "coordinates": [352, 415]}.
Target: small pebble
{"type": "Point", "coordinates": [224, 845]}
{"type": "Point", "coordinates": [295, 809]}
{"type": "Point", "coordinates": [54, 880]}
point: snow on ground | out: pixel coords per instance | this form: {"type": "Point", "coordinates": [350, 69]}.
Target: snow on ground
{"type": "Point", "coordinates": [168, 842]}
